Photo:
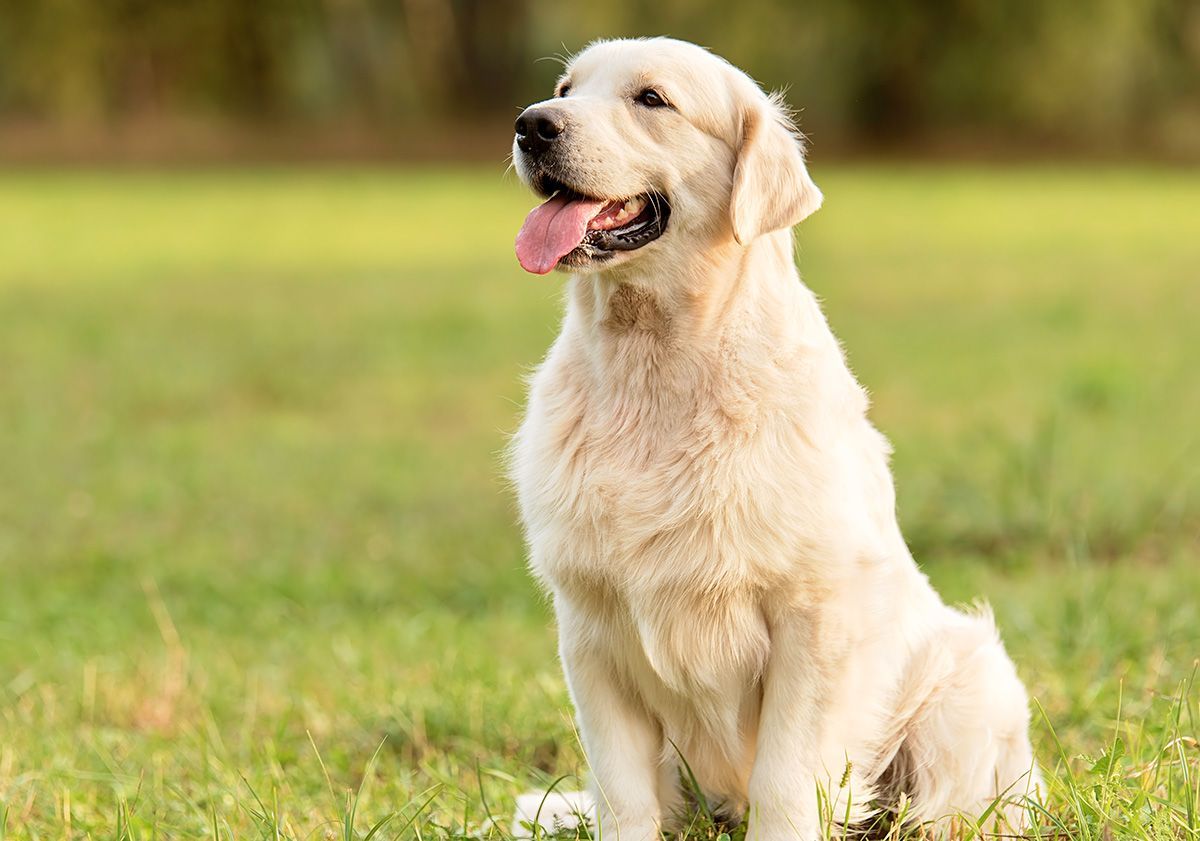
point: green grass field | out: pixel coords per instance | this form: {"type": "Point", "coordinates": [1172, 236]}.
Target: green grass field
{"type": "Point", "coordinates": [260, 575]}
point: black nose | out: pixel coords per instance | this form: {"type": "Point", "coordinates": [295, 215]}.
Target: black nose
{"type": "Point", "coordinates": [537, 129]}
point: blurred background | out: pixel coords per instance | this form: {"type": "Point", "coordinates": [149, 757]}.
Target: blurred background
{"type": "Point", "coordinates": [262, 340]}
{"type": "Point", "coordinates": [389, 78]}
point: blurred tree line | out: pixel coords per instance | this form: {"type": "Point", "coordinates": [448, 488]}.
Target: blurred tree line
{"type": "Point", "coordinates": [1082, 74]}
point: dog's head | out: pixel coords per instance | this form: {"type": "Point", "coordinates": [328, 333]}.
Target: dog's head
{"type": "Point", "coordinates": [655, 144]}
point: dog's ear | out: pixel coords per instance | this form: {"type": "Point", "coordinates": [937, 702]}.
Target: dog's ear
{"type": "Point", "coordinates": [771, 185]}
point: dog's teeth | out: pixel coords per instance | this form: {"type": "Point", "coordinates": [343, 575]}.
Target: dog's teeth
{"type": "Point", "coordinates": [615, 217]}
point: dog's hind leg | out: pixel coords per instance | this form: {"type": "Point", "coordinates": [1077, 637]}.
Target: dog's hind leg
{"type": "Point", "coordinates": [961, 735]}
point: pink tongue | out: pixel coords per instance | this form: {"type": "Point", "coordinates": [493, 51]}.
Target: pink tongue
{"type": "Point", "coordinates": [552, 230]}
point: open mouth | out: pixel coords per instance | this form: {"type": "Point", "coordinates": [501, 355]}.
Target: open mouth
{"type": "Point", "coordinates": [572, 229]}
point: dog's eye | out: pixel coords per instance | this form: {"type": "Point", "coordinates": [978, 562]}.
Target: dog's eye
{"type": "Point", "coordinates": [564, 90]}
{"type": "Point", "coordinates": [651, 99]}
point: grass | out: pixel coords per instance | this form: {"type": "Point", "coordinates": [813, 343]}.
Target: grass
{"type": "Point", "coordinates": [259, 576]}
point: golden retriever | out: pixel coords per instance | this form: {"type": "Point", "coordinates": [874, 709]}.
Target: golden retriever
{"type": "Point", "coordinates": [703, 496]}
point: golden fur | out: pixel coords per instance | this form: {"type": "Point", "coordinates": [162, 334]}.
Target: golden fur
{"type": "Point", "coordinates": [711, 511]}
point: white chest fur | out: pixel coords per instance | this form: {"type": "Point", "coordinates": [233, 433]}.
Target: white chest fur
{"type": "Point", "coordinates": [678, 493]}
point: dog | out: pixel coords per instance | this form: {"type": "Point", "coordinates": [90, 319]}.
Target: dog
{"type": "Point", "coordinates": [704, 498]}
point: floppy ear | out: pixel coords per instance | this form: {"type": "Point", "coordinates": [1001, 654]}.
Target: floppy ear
{"type": "Point", "coordinates": [771, 186]}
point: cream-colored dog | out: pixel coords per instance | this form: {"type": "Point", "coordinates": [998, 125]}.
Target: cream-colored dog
{"type": "Point", "coordinates": [703, 495]}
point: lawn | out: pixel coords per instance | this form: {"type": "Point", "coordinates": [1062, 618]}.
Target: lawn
{"type": "Point", "coordinates": [260, 574]}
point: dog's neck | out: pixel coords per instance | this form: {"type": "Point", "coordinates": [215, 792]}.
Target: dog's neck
{"type": "Point", "coordinates": [689, 302]}
{"type": "Point", "coordinates": [662, 327]}
{"type": "Point", "coordinates": [655, 294]}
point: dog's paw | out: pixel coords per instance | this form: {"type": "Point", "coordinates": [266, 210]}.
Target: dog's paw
{"type": "Point", "coordinates": [551, 810]}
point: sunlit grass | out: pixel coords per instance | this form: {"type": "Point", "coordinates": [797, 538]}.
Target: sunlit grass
{"type": "Point", "coordinates": [252, 527]}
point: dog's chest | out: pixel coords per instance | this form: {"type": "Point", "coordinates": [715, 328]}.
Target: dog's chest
{"type": "Point", "coordinates": [635, 531]}
{"type": "Point", "coordinates": [621, 491]}
{"type": "Point", "coordinates": [653, 514]}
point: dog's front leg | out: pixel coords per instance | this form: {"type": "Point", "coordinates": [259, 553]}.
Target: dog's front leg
{"type": "Point", "coordinates": [622, 742]}
{"type": "Point", "coordinates": [787, 767]}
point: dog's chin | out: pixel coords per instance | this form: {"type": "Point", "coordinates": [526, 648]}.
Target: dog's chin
{"type": "Point", "coordinates": [587, 259]}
